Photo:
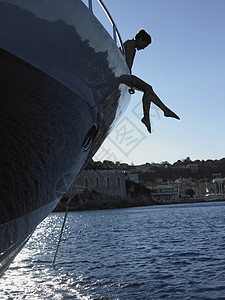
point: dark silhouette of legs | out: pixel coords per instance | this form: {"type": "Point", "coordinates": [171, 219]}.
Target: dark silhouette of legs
{"type": "Point", "coordinates": [148, 97]}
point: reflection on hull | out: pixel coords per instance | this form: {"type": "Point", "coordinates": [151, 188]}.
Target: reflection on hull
{"type": "Point", "coordinates": [61, 93]}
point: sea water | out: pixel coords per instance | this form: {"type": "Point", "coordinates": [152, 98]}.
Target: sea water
{"type": "Point", "coordinates": [156, 252]}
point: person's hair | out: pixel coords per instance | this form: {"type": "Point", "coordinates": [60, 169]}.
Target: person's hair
{"type": "Point", "coordinates": [142, 34]}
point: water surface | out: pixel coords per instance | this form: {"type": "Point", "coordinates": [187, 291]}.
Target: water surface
{"type": "Point", "coordinates": [160, 252]}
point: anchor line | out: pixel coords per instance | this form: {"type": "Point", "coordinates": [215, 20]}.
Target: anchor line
{"type": "Point", "coordinates": [64, 221]}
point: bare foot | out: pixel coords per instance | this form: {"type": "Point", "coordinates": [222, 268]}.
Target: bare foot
{"type": "Point", "coordinates": [147, 124]}
{"type": "Point", "coordinates": [171, 114]}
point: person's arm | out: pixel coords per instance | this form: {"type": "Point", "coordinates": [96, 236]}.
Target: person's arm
{"type": "Point", "coordinates": [130, 51]}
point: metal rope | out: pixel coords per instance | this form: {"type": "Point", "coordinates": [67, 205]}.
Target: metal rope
{"type": "Point", "coordinates": [64, 221]}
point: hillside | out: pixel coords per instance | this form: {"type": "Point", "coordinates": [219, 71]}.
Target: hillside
{"type": "Point", "coordinates": [198, 169]}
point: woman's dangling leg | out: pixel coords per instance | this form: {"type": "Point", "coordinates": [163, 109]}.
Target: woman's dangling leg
{"type": "Point", "coordinates": [146, 110]}
{"type": "Point", "coordinates": [142, 86]}
{"type": "Point", "coordinates": [148, 97]}
{"type": "Point", "coordinates": [167, 112]}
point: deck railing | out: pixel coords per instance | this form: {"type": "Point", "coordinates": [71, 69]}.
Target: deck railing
{"type": "Point", "coordinates": [115, 33]}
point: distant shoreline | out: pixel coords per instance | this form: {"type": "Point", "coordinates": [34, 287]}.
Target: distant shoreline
{"type": "Point", "coordinates": [96, 201]}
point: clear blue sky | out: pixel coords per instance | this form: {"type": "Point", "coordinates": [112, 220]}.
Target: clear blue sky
{"type": "Point", "coordinates": [185, 65]}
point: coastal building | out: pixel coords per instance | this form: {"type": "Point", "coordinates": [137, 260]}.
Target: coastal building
{"type": "Point", "coordinates": [184, 184]}
{"type": "Point", "coordinates": [110, 182]}
{"type": "Point", "coordinates": [164, 193]}
{"type": "Point", "coordinates": [131, 176]}
{"type": "Point", "coordinates": [219, 185]}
